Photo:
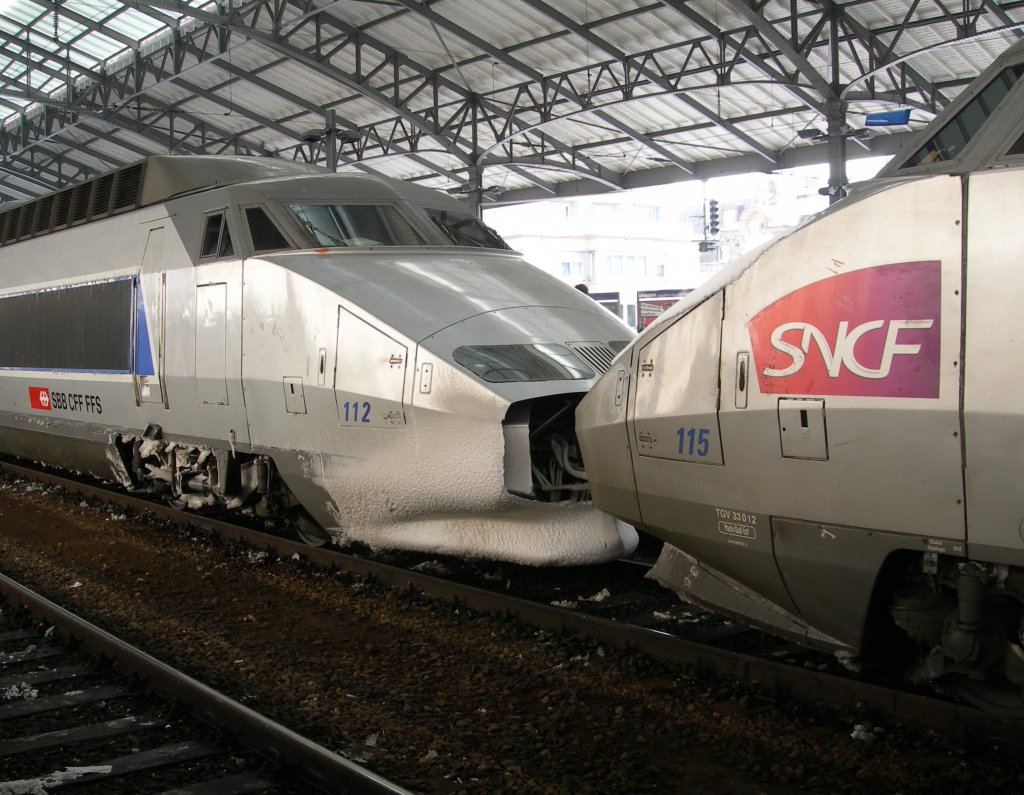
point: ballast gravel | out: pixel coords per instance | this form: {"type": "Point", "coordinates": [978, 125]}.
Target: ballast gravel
{"type": "Point", "coordinates": [444, 700]}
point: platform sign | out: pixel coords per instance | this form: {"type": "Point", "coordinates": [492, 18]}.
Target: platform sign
{"type": "Point", "coordinates": [889, 118]}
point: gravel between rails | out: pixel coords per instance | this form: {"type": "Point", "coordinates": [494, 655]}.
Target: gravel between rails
{"type": "Point", "coordinates": [443, 700]}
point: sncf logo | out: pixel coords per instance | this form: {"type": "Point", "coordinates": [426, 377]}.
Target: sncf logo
{"type": "Point", "coordinates": [844, 352]}
{"type": "Point", "coordinates": [39, 398]}
{"type": "Point", "coordinates": [872, 332]}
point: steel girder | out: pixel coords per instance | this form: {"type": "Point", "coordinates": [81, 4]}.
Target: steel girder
{"type": "Point", "coordinates": [435, 119]}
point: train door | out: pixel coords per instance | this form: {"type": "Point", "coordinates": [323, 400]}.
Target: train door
{"type": "Point", "coordinates": [150, 324]}
{"type": "Point", "coordinates": [369, 375]}
{"type": "Point", "coordinates": [682, 476]}
{"type": "Point", "coordinates": [211, 344]}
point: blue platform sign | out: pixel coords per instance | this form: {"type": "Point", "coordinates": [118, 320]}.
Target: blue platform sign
{"type": "Point", "coordinates": [887, 118]}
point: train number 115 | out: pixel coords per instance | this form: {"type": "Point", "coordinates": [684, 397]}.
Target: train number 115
{"type": "Point", "coordinates": [693, 441]}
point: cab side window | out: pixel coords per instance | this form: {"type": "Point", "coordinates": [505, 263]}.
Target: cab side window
{"type": "Point", "coordinates": [263, 231]}
{"type": "Point", "coordinates": [216, 237]}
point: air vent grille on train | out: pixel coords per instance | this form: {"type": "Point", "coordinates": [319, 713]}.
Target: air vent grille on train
{"type": "Point", "coordinates": [44, 210]}
{"type": "Point", "coordinates": [111, 193]}
{"type": "Point", "coordinates": [597, 354]}
{"type": "Point", "coordinates": [11, 220]}
{"type": "Point", "coordinates": [25, 227]}
{"type": "Point", "coordinates": [126, 194]}
{"type": "Point", "coordinates": [80, 203]}
{"type": "Point", "coordinates": [61, 214]}
{"type": "Point", "coordinates": [104, 186]}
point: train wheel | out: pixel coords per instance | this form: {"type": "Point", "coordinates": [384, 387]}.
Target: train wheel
{"type": "Point", "coordinates": [308, 531]}
{"type": "Point", "coordinates": [998, 698]}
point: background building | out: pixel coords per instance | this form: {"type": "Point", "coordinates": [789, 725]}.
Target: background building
{"type": "Point", "coordinates": [649, 241]}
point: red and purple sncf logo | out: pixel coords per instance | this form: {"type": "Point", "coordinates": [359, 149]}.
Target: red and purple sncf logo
{"type": "Point", "coordinates": [872, 332]}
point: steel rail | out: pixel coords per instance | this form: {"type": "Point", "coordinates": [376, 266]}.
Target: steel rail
{"type": "Point", "coordinates": [914, 709]}
{"type": "Point", "coordinates": [324, 769]}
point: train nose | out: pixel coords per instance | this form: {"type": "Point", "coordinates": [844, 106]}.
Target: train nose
{"type": "Point", "coordinates": [603, 437]}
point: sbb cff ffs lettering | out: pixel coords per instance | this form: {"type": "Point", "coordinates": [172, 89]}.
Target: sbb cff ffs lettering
{"type": "Point", "coordinates": [43, 399]}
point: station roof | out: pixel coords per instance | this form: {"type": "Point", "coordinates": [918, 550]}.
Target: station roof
{"type": "Point", "coordinates": [511, 99]}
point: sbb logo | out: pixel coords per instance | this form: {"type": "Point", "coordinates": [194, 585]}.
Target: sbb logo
{"type": "Point", "coordinates": [872, 332]}
{"type": "Point", "coordinates": [39, 398]}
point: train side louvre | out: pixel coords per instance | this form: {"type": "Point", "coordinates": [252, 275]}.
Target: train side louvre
{"type": "Point", "coordinates": [103, 188]}
{"type": "Point", "coordinates": [80, 202]}
{"type": "Point", "coordinates": [62, 211]}
{"type": "Point", "coordinates": [25, 227]}
{"type": "Point", "coordinates": [10, 224]}
{"type": "Point", "coordinates": [97, 198]}
{"type": "Point", "coordinates": [598, 355]}
{"type": "Point", "coordinates": [43, 212]}
{"type": "Point", "coordinates": [73, 328]}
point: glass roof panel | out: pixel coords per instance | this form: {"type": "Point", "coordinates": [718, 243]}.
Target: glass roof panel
{"type": "Point", "coordinates": [406, 82]}
{"type": "Point", "coordinates": [88, 34]}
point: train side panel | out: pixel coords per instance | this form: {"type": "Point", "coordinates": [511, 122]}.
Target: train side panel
{"type": "Point", "coordinates": [851, 434]}
{"type": "Point", "coordinates": [858, 326]}
{"type": "Point", "coordinates": [761, 452]}
{"type": "Point", "coordinates": [993, 424]}
{"type": "Point", "coordinates": [72, 384]}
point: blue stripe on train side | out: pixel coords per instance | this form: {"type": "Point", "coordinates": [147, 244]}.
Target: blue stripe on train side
{"type": "Point", "coordinates": [143, 353]}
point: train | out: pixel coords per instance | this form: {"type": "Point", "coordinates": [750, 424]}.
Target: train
{"type": "Point", "coordinates": [353, 357]}
{"type": "Point", "coordinates": [827, 435]}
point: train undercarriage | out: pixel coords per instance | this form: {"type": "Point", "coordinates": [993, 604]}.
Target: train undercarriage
{"type": "Point", "coordinates": [966, 618]}
{"type": "Point", "coordinates": [203, 478]}
{"type": "Point", "coordinates": [542, 464]}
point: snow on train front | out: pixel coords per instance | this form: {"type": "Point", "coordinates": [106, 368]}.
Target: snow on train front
{"type": "Point", "coordinates": [445, 417]}
{"type": "Point", "coordinates": [355, 357]}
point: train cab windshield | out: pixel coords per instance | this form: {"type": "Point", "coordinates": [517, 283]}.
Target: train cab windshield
{"type": "Point", "coordinates": [464, 229]}
{"type": "Point", "coordinates": [979, 130]}
{"type": "Point", "coordinates": [385, 225]}
{"type": "Point", "coordinates": [356, 225]}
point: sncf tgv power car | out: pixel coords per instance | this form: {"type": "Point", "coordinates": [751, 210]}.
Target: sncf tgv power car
{"type": "Point", "coordinates": [354, 356]}
{"type": "Point", "coordinates": [829, 436]}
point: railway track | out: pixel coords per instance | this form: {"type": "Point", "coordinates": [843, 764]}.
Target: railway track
{"type": "Point", "coordinates": [79, 707]}
{"type": "Point", "coordinates": [767, 674]}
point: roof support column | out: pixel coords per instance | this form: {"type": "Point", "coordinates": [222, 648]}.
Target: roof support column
{"type": "Point", "coordinates": [837, 129]}
{"type": "Point", "coordinates": [332, 140]}
{"type": "Point", "coordinates": [476, 190]}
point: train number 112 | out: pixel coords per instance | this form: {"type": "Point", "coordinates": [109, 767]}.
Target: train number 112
{"type": "Point", "coordinates": [693, 441]}
{"type": "Point", "coordinates": [352, 411]}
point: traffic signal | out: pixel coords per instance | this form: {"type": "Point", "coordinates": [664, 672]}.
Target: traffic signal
{"type": "Point", "coordinates": [713, 217]}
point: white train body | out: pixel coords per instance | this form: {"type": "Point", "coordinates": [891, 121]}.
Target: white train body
{"type": "Point", "coordinates": [311, 347]}
{"type": "Point", "coordinates": [828, 436]}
